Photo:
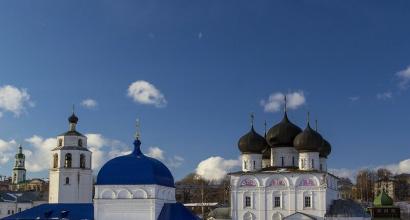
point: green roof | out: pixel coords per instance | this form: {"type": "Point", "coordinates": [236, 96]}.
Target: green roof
{"type": "Point", "coordinates": [383, 200]}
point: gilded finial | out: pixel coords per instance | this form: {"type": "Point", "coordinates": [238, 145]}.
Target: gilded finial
{"type": "Point", "coordinates": [285, 108]}
{"type": "Point", "coordinates": [73, 108]}
{"type": "Point", "coordinates": [138, 129]}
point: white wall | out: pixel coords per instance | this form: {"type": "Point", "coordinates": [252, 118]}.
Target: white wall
{"type": "Point", "coordinates": [251, 162]}
{"type": "Point", "coordinates": [306, 159]}
{"type": "Point", "coordinates": [291, 187]}
{"type": "Point", "coordinates": [131, 201]}
{"type": "Point", "coordinates": [6, 207]}
{"type": "Point", "coordinates": [289, 154]}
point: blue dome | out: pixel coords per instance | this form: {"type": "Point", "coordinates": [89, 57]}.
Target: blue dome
{"type": "Point", "coordinates": [135, 169]}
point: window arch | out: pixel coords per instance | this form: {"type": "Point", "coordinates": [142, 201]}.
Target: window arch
{"type": "Point", "coordinates": [82, 161]}
{"type": "Point", "coordinates": [80, 142]}
{"type": "Point", "coordinates": [55, 160]}
{"type": "Point", "coordinates": [249, 216]}
{"type": "Point", "coordinates": [60, 142]}
{"type": "Point", "coordinates": [67, 180]}
{"type": "Point", "coordinates": [68, 160]}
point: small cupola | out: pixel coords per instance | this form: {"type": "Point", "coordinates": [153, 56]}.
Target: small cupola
{"type": "Point", "coordinates": [252, 142]}
{"type": "Point", "coordinates": [309, 140]}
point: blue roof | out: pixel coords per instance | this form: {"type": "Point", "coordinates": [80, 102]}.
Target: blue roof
{"type": "Point", "coordinates": [79, 211]}
{"type": "Point", "coordinates": [135, 169]}
{"type": "Point", "coordinates": [176, 211]}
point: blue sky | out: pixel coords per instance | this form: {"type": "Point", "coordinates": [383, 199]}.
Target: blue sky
{"type": "Point", "coordinates": [213, 62]}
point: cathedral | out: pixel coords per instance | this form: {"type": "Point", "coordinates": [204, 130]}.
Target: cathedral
{"type": "Point", "coordinates": [284, 176]}
{"type": "Point", "coordinates": [132, 186]}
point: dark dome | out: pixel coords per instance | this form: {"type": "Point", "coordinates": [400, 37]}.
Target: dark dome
{"type": "Point", "coordinates": [283, 133]}
{"type": "Point", "coordinates": [135, 169]}
{"type": "Point", "coordinates": [252, 142]}
{"type": "Point", "coordinates": [73, 119]}
{"type": "Point", "coordinates": [325, 149]}
{"type": "Point", "coordinates": [308, 141]}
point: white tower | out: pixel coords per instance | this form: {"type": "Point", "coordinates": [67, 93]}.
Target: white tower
{"type": "Point", "coordinates": [71, 179]}
{"type": "Point", "coordinates": [19, 170]}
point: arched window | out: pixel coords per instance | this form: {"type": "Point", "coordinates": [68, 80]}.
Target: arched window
{"type": "Point", "coordinates": [82, 161]}
{"type": "Point", "coordinates": [60, 142]}
{"type": "Point", "coordinates": [67, 180]}
{"type": "Point", "coordinates": [293, 161]}
{"type": "Point", "coordinates": [67, 161]}
{"type": "Point", "coordinates": [313, 164]}
{"type": "Point", "coordinates": [80, 142]}
{"type": "Point", "coordinates": [55, 160]}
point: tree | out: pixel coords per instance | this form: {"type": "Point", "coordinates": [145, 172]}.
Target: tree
{"type": "Point", "coordinates": [365, 180]}
{"type": "Point", "coordinates": [383, 174]}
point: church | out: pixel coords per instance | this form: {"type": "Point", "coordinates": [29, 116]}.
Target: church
{"type": "Point", "coordinates": [284, 176]}
{"type": "Point", "coordinates": [132, 186]}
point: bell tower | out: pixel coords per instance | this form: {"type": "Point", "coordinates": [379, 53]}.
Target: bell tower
{"type": "Point", "coordinates": [19, 170]}
{"type": "Point", "coordinates": [71, 179]}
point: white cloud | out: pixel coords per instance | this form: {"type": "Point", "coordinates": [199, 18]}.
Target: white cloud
{"type": "Point", "coordinates": [156, 153]}
{"type": "Point", "coordinates": [401, 167]}
{"type": "Point", "coordinates": [1, 114]}
{"type": "Point", "coordinates": [38, 152]}
{"type": "Point", "coordinates": [159, 154]}
{"type": "Point", "coordinates": [215, 168]}
{"type": "Point", "coordinates": [14, 100]}
{"type": "Point", "coordinates": [384, 95]}
{"type": "Point", "coordinates": [89, 103]}
{"type": "Point", "coordinates": [145, 93]}
{"type": "Point", "coordinates": [354, 98]}
{"type": "Point", "coordinates": [38, 157]}
{"type": "Point", "coordinates": [200, 35]}
{"type": "Point", "coordinates": [404, 77]}
{"type": "Point", "coordinates": [104, 149]}
{"type": "Point", "coordinates": [276, 100]}
{"type": "Point", "coordinates": [7, 150]}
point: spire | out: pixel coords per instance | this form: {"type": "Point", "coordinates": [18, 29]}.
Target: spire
{"type": "Point", "coordinates": [316, 125]}
{"type": "Point", "coordinates": [137, 142]}
{"type": "Point", "coordinates": [20, 149]}
{"type": "Point", "coordinates": [138, 129]}
{"type": "Point", "coordinates": [308, 119]}
{"type": "Point", "coordinates": [252, 119]}
{"type": "Point", "coordinates": [265, 127]}
{"type": "Point", "coordinates": [285, 105]}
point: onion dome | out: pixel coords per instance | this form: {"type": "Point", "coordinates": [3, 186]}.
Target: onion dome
{"type": "Point", "coordinates": [325, 149]}
{"type": "Point", "coordinates": [383, 199]}
{"type": "Point", "coordinates": [73, 119]}
{"type": "Point", "coordinates": [135, 169]}
{"type": "Point", "coordinates": [283, 133]}
{"type": "Point", "coordinates": [308, 141]}
{"type": "Point", "coordinates": [252, 142]}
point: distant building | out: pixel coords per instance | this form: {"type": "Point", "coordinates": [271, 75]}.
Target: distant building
{"type": "Point", "coordinates": [37, 185]}
{"type": "Point", "coordinates": [19, 170]}
{"type": "Point", "coordinates": [389, 185]}
{"type": "Point", "coordinates": [383, 207]}
{"type": "Point", "coordinates": [15, 202]}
